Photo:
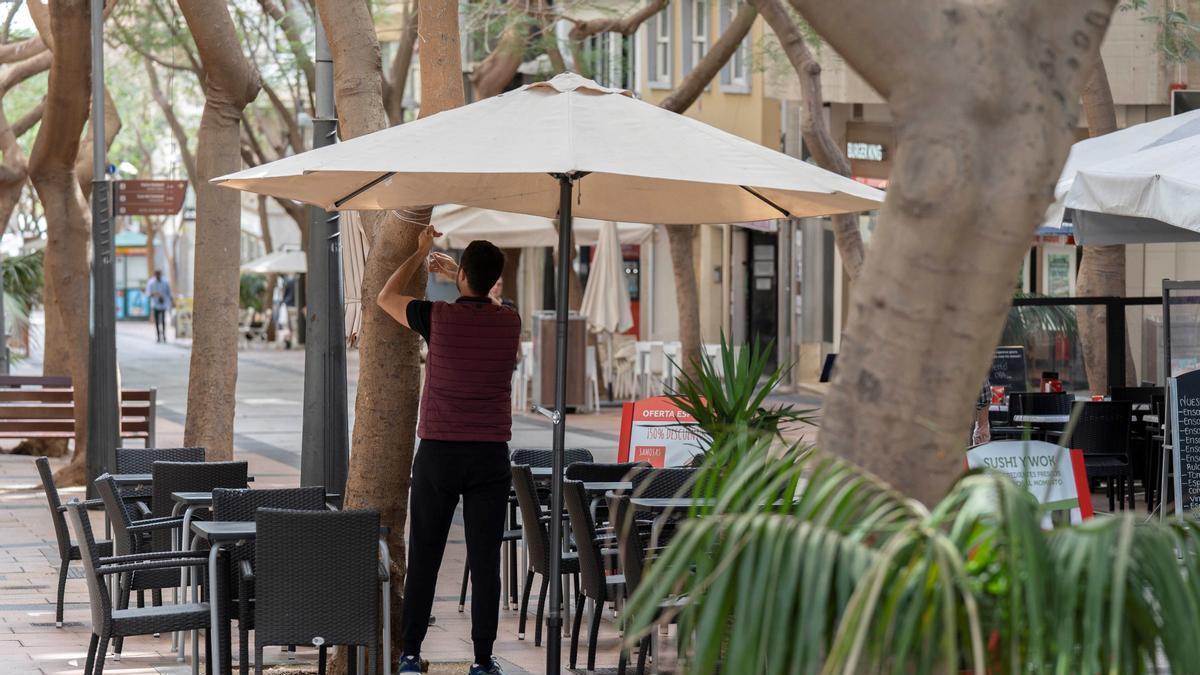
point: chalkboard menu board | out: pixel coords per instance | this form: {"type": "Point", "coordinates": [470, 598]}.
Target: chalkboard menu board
{"type": "Point", "coordinates": [1185, 430]}
{"type": "Point", "coordinates": [1008, 369]}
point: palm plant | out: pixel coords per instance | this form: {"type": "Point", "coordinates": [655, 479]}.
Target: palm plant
{"type": "Point", "coordinates": [730, 400]}
{"type": "Point", "coordinates": [862, 579]}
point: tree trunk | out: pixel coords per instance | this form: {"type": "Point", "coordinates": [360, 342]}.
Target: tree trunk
{"type": "Point", "coordinates": [52, 170]}
{"type": "Point", "coordinates": [401, 63]}
{"type": "Point", "coordinates": [385, 410]}
{"type": "Point", "coordinates": [1101, 268]}
{"type": "Point", "coordinates": [230, 85]}
{"type": "Point", "coordinates": [985, 100]}
{"type": "Point", "coordinates": [682, 237]}
{"type": "Point", "coordinates": [813, 128]}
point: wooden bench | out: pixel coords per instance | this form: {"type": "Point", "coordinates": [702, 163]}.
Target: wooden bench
{"type": "Point", "coordinates": [44, 407]}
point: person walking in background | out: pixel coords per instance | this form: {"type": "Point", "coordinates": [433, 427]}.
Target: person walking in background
{"type": "Point", "coordinates": [465, 425]}
{"type": "Point", "coordinates": [161, 300]}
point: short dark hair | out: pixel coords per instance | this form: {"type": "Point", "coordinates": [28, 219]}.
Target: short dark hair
{"type": "Point", "coordinates": [483, 263]}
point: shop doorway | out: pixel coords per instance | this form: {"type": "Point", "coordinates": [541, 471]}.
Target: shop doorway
{"type": "Point", "coordinates": [762, 291]}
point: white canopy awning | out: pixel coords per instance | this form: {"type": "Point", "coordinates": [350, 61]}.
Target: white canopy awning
{"type": "Point", "coordinates": [1137, 185]}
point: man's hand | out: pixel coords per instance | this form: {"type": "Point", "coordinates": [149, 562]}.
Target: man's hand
{"type": "Point", "coordinates": [425, 239]}
{"type": "Point", "coordinates": [444, 266]}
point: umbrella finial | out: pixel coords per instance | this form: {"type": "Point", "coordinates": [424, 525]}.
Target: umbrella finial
{"type": "Point", "coordinates": [568, 82]}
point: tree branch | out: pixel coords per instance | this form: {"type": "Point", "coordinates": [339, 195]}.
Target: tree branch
{"type": "Point", "coordinates": [497, 70]}
{"type": "Point", "coordinates": [30, 119]}
{"type": "Point", "coordinates": [397, 80]}
{"type": "Point", "coordinates": [6, 33]}
{"type": "Point", "coordinates": [177, 130]}
{"type": "Point", "coordinates": [890, 28]}
{"type": "Point", "coordinates": [25, 70]}
{"type": "Point", "coordinates": [296, 43]}
{"type": "Point", "coordinates": [625, 25]}
{"type": "Point", "coordinates": [16, 51]}
{"type": "Point", "coordinates": [294, 135]}
{"type": "Point", "coordinates": [714, 60]}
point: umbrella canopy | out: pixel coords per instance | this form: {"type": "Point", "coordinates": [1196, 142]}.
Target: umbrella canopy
{"type": "Point", "coordinates": [460, 225]}
{"type": "Point", "coordinates": [279, 262]}
{"type": "Point", "coordinates": [1137, 185]}
{"type": "Point", "coordinates": [634, 162]}
{"type": "Point", "coordinates": [606, 299]}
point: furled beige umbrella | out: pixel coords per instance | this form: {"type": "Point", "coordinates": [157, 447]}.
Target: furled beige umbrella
{"type": "Point", "coordinates": [460, 225]}
{"type": "Point", "coordinates": [567, 147]}
{"type": "Point", "coordinates": [279, 262]}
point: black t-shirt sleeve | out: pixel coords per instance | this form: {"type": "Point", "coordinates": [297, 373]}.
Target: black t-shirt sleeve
{"type": "Point", "coordinates": [420, 317]}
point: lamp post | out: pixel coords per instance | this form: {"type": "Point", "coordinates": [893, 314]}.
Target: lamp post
{"type": "Point", "coordinates": [103, 399]}
{"type": "Point", "coordinates": [324, 452]}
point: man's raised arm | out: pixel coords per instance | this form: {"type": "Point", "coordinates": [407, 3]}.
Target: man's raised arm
{"type": "Point", "coordinates": [391, 298]}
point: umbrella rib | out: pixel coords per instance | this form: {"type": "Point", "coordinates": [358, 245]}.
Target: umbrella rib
{"type": "Point", "coordinates": [768, 202]}
{"type": "Point", "coordinates": [376, 181]}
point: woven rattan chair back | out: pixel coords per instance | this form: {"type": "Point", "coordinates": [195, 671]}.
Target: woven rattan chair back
{"type": "Point", "coordinates": [124, 543]}
{"type": "Point", "coordinates": [544, 457]}
{"type": "Point", "coordinates": [189, 477]}
{"type": "Point", "coordinates": [243, 504]}
{"type": "Point", "coordinates": [591, 561]}
{"type": "Point", "coordinates": [597, 472]}
{"type": "Point", "coordinates": [630, 549]}
{"type": "Point", "coordinates": [99, 598]}
{"type": "Point", "coordinates": [659, 483]}
{"type": "Point", "coordinates": [316, 578]}
{"type": "Point", "coordinates": [141, 460]}
{"type": "Point", "coordinates": [1103, 428]}
{"type": "Point", "coordinates": [532, 525]}
{"type": "Point", "coordinates": [56, 516]}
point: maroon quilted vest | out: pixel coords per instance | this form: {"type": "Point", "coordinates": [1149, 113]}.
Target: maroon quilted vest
{"type": "Point", "coordinates": [473, 348]}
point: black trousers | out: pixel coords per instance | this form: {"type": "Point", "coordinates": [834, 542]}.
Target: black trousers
{"type": "Point", "coordinates": [160, 323]}
{"type": "Point", "coordinates": [442, 471]}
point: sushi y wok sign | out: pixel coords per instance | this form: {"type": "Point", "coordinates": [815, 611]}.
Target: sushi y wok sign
{"type": "Point", "coordinates": [1055, 476]}
{"type": "Point", "coordinates": [655, 430]}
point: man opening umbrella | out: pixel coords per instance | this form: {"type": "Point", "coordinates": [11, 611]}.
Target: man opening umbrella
{"type": "Point", "coordinates": [465, 425]}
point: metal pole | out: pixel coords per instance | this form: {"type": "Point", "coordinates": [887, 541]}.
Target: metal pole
{"type": "Point", "coordinates": [325, 448]}
{"type": "Point", "coordinates": [103, 399]}
{"type": "Point", "coordinates": [562, 307]}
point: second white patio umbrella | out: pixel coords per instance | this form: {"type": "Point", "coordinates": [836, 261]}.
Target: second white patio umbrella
{"type": "Point", "coordinates": [567, 147]}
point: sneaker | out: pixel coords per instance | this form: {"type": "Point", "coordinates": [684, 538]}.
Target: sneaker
{"type": "Point", "coordinates": [410, 663]}
{"type": "Point", "coordinates": [491, 668]}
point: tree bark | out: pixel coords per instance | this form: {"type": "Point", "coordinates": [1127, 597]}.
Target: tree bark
{"type": "Point", "coordinates": [401, 63]}
{"type": "Point", "coordinates": [813, 128]}
{"type": "Point", "coordinates": [493, 75]}
{"type": "Point", "coordinates": [385, 409]}
{"type": "Point", "coordinates": [625, 25]}
{"type": "Point", "coordinates": [231, 82]}
{"type": "Point", "coordinates": [68, 222]}
{"type": "Point", "coordinates": [1101, 268]}
{"type": "Point", "coordinates": [985, 99]}
{"type": "Point", "coordinates": [682, 237]}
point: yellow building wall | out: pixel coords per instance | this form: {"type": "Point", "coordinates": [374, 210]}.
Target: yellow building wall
{"type": "Point", "coordinates": [752, 115]}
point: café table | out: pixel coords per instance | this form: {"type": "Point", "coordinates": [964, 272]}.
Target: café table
{"type": "Point", "coordinates": [134, 480]}
{"type": "Point", "coordinates": [222, 533]}
{"type": "Point", "coordinates": [1042, 419]}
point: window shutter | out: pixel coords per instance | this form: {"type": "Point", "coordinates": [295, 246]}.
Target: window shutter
{"type": "Point", "coordinates": [651, 49]}
{"type": "Point", "coordinates": [686, 33]}
{"type": "Point", "coordinates": [727, 69]}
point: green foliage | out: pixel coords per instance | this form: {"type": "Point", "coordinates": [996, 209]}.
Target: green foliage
{"type": "Point", "coordinates": [728, 398]}
{"type": "Point", "coordinates": [796, 562]}
{"type": "Point", "coordinates": [1177, 33]}
{"type": "Point", "coordinates": [1026, 321]}
{"type": "Point", "coordinates": [23, 280]}
{"type": "Point", "coordinates": [251, 291]}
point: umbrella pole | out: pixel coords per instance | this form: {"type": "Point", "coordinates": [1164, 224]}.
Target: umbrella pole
{"type": "Point", "coordinates": [562, 307]}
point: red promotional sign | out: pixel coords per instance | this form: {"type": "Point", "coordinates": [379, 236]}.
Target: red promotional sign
{"type": "Point", "coordinates": [655, 430]}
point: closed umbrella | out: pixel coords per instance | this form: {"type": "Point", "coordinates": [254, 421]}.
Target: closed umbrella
{"type": "Point", "coordinates": [1137, 185]}
{"type": "Point", "coordinates": [567, 147]}
{"type": "Point", "coordinates": [606, 306]}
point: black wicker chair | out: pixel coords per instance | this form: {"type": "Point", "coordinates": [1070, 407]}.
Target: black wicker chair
{"type": "Point", "coordinates": [594, 583]}
{"type": "Point", "coordinates": [537, 539]}
{"type": "Point", "coordinates": [116, 624]}
{"type": "Point", "coordinates": [242, 505]}
{"type": "Point", "coordinates": [544, 457]}
{"type": "Point", "coordinates": [1102, 433]}
{"type": "Point", "coordinates": [170, 477]}
{"type": "Point", "coordinates": [632, 554]}
{"type": "Point", "coordinates": [66, 550]}
{"type": "Point", "coordinates": [141, 460]}
{"type": "Point", "coordinates": [317, 578]}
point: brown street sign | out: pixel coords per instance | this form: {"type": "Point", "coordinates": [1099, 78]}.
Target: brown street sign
{"type": "Point", "coordinates": [149, 197]}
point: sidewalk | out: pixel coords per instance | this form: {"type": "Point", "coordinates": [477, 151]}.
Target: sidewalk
{"type": "Point", "coordinates": [267, 436]}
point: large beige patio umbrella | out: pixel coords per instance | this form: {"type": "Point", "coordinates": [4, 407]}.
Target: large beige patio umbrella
{"type": "Point", "coordinates": [567, 147]}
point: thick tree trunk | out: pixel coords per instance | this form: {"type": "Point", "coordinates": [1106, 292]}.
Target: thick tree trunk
{"type": "Point", "coordinates": [682, 237]}
{"type": "Point", "coordinates": [68, 222]}
{"type": "Point", "coordinates": [813, 128]}
{"type": "Point", "coordinates": [1101, 268]}
{"type": "Point", "coordinates": [985, 100]}
{"type": "Point", "coordinates": [230, 85]}
{"type": "Point", "coordinates": [385, 410]}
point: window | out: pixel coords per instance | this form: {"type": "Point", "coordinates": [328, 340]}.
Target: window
{"type": "Point", "coordinates": [699, 31]}
{"type": "Point", "coordinates": [735, 76]}
{"type": "Point", "coordinates": [659, 53]}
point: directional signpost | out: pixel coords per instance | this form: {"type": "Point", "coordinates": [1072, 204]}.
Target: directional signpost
{"type": "Point", "coordinates": [149, 197]}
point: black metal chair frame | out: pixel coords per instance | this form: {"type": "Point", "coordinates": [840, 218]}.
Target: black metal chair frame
{"type": "Point", "coordinates": [594, 582]}
{"type": "Point", "coordinates": [67, 551]}
{"type": "Point", "coordinates": [534, 523]}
